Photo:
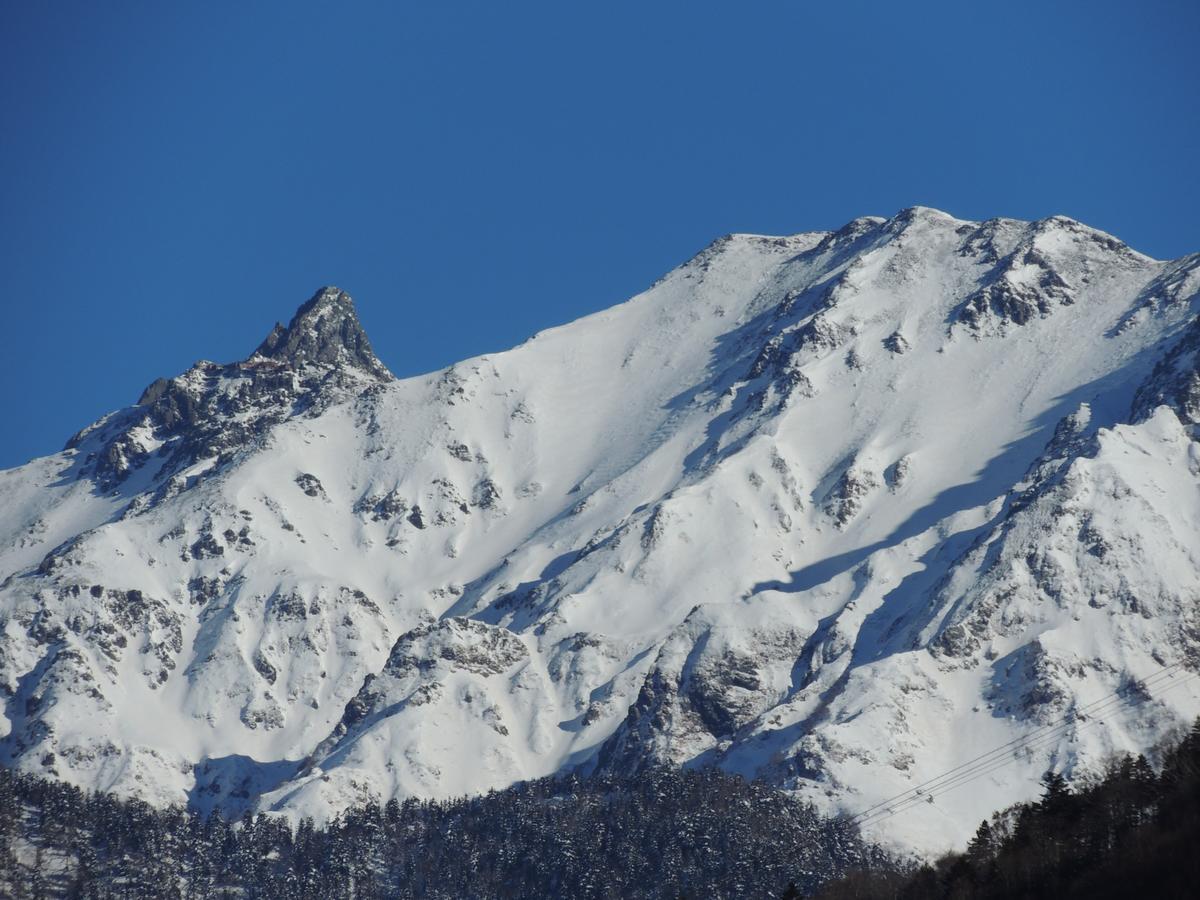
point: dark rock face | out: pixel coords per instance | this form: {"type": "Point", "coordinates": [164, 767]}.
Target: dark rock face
{"type": "Point", "coordinates": [325, 332]}
{"type": "Point", "coordinates": [631, 747]}
{"type": "Point", "coordinates": [214, 411]}
{"type": "Point", "coordinates": [1175, 381]}
{"type": "Point", "coordinates": [458, 644]}
{"type": "Point", "coordinates": [383, 507]}
{"type": "Point", "coordinates": [896, 343]}
{"type": "Point", "coordinates": [1004, 299]}
{"type": "Point", "coordinates": [723, 693]}
{"type": "Point", "coordinates": [847, 496]}
{"type": "Point", "coordinates": [416, 670]}
{"type": "Point", "coordinates": [310, 484]}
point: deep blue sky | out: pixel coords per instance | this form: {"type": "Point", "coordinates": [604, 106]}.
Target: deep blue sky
{"type": "Point", "coordinates": [175, 177]}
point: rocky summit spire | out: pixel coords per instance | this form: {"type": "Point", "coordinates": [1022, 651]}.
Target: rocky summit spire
{"type": "Point", "coordinates": [325, 331]}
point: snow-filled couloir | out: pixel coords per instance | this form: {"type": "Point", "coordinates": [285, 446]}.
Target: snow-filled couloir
{"type": "Point", "coordinates": [839, 510]}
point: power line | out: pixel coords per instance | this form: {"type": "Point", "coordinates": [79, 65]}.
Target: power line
{"type": "Point", "coordinates": [1005, 754]}
{"type": "Point", "coordinates": [1074, 715]}
{"type": "Point", "coordinates": [989, 766]}
{"type": "Point", "coordinates": [1040, 741]}
{"type": "Point", "coordinates": [999, 763]}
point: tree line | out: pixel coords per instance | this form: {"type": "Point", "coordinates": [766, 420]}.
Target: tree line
{"type": "Point", "coordinates": [661, 833]}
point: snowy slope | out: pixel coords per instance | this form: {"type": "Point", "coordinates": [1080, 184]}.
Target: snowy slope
{"type": "Point", "coordinates": [842, 510]}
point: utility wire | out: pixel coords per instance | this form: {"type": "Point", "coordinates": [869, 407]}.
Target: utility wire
{"type": "Point", "coordinates": [1005, 753]}
{"type": "Point", "coordinates": [1069, 718]}
{"type": "Point", "coordinates": [997, 764]}
{"type": "Point", "coordinates": [1014, 744]}
{"type": "Point", "coordinates": [1044, 738]}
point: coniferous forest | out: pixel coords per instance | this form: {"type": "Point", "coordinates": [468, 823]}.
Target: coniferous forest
{"type": "Point", "coordinates": [661, 834]}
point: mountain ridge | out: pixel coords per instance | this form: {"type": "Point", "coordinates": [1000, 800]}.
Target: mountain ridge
{"type": "Point", "coordinates": [803, 509]}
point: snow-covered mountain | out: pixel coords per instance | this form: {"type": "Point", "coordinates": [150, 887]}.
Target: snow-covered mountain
{"type": "Point", "coordinates": [839, 510]}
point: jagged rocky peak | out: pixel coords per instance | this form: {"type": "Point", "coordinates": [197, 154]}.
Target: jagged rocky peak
{"type": "Point", "coordinates": [211, 410]}
{"type": "Point", "coordinates": [325, 331]}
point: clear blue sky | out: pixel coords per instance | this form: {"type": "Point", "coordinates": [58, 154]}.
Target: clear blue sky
{"type": "Point", "coordinates": [174, 177]}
